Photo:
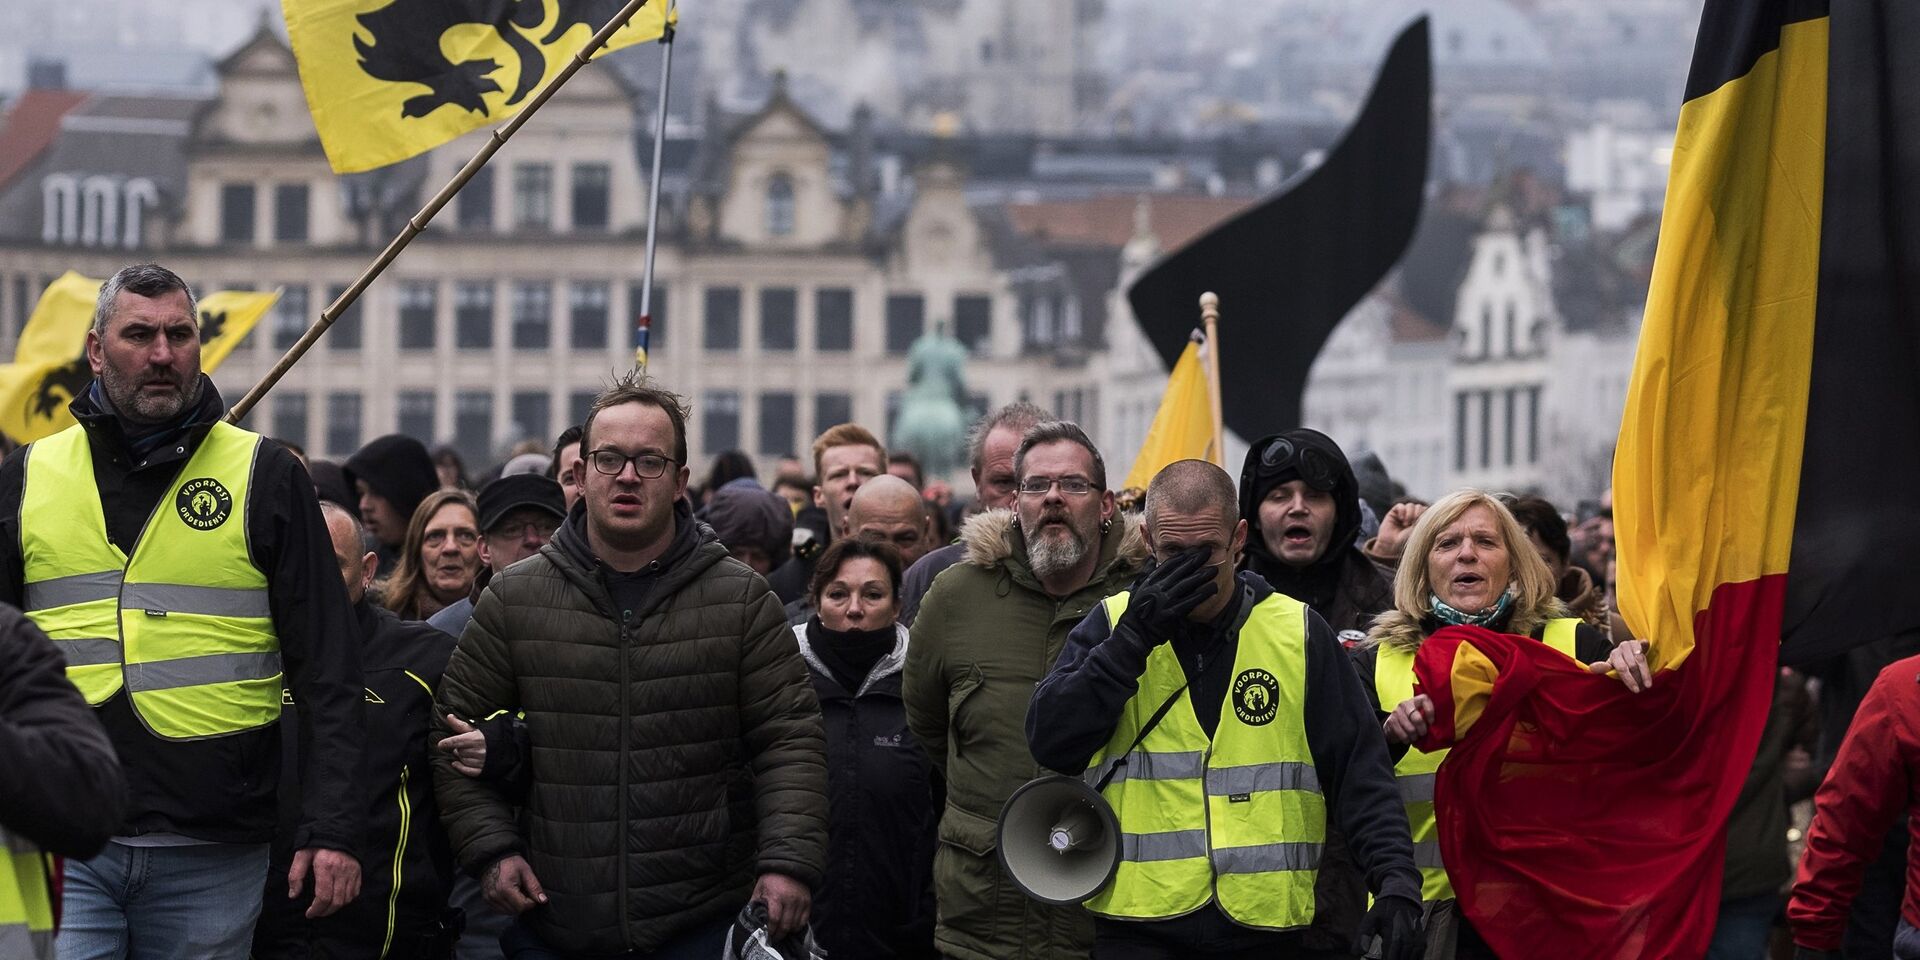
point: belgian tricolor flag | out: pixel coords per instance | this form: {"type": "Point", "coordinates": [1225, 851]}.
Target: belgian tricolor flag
{"type": "Point", "coordinates": [1760, 487]}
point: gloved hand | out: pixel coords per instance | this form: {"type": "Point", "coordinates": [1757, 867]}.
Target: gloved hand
{"type": "Point", "coordinates": [1165, 593]}
{"type": "Point", "coordinates": [1396, 921]}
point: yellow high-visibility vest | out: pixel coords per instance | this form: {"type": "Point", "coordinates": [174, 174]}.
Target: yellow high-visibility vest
{"type": "Point", "coordinates": [1237, 819]}
{"type": "Point", "coordinates": [26, 900]}
{"type": "Point", "coordinates": [1415, 773]}
{"type": "Point", "coordinates": [183, 624]}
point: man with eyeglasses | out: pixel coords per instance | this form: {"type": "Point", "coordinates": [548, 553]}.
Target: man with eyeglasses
{"type": "Point", "coordinates": [988, 630]}
{"type": "Point", "coordinates": [1269, 742]}
{"type": "Point", "coordinates": [679, 766]}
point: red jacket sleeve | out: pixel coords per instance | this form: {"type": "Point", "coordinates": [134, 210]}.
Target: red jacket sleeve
{"type": "Point", "coordinates": [1864, 794]}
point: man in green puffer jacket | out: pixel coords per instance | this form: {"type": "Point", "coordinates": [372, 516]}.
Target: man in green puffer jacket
{"type": "Point", "coordinates": [988, 631]}
{"type": "Point", "coordinates": [677, 766]}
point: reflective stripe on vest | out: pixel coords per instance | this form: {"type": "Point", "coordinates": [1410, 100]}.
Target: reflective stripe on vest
{"type": "Point", "coordinates": [26, 900]}
{"type": "Point", "coordinates": [1417, 770]}
{"type": "Point", "coordinates": [183, 625]}
{"type": "Point", "coordinates": [1238, 819]}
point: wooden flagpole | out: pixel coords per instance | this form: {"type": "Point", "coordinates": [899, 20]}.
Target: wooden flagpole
{"type": "Point", "coordinates": [1210, 320]}
{"type": "Point", "coordinates": [419, 221]}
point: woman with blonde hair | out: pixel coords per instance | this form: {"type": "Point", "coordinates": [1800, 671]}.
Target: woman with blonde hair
{"type": "Point", "coordinates": [439, 558]}
{"type": "Point", "coordinates": [1468, 562]}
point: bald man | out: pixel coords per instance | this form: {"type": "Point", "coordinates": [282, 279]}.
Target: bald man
{"type": "Point", "coordinates": [1263, 682]}
{"type": "Point", "coordinates": [401, 662]}
{"type": "Point", "coordinates": [886, 509]}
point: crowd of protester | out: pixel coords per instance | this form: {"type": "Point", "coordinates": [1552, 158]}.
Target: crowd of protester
{"type": "Point", "coordinates": [591, 708]}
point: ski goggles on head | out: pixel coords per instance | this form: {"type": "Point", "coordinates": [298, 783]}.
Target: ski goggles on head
{"type": "Point", "coordinates": [1314, 466]}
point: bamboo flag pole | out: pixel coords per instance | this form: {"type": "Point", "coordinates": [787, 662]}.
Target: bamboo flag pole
{"type": "Point", "coordinates": [644, 335]}
{"type": "Point", "coordinates": [419, 221]}
{"type": "Point", "coordinates": [1210, 319]}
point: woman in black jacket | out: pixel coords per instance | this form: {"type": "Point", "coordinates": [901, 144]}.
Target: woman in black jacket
{"type": "Point", "coordinates": [876, 900]}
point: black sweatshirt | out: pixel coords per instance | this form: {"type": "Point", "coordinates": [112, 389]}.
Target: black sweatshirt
{"type": "Point", "coordinates": [1075, 709]}
{"type": "Point", "coordinates": [223, 789]}
{"type": "Point", "coordinates": [64, 791]}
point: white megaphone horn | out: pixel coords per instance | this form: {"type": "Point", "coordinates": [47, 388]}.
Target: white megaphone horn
{"type": "Point", "coordinates": [1059, 840]}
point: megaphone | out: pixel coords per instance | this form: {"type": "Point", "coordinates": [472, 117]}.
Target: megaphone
{"type": "Point", "coordinates": [1059, 840]}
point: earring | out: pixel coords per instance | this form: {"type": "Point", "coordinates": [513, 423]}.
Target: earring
{"type": "Point", "coordinates": [1106, 525]}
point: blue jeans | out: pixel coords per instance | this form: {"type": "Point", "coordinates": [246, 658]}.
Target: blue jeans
{"type": "Point", "coordinates": [150, 903]}
{"type": "Point", "coordinates": [700, 943]}
{"type": "Point", "coordinates": [1744, 928]}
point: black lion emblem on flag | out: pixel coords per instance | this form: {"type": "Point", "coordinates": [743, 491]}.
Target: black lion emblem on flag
{"type": "Point", "coordinates": [405, 46]}
{"type": "Point", "coordinates": [71, 378]}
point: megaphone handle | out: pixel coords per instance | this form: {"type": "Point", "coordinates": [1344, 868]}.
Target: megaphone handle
{"type": "Point", "coordinates": [1153, 721]}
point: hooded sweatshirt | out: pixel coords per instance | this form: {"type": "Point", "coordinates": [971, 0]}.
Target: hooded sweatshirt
{"type": "Point", "coordinates": [743, 514]}
{"type": "Point", "coordinates": [396, 467]}
{"type": "Point", "coordinates": [1343, 586]}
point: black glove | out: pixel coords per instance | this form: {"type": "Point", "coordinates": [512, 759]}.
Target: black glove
{"type": "Point", "coordinates": [1396, 921]}
{"type": "Point", "coordinates": [1165, 593]}
{"type": "Point", "coordinates": [1809, 953]}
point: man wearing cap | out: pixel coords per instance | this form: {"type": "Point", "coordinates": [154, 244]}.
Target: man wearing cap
{"type": "Point", "coordinates": [390, 476]}
{"type": "Point", "coordinates": [518, 515]}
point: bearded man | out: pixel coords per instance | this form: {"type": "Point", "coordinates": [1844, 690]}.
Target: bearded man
{"type": "Point", "coordinates": [989, 629]}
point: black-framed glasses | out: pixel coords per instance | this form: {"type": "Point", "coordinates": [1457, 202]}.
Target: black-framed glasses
{"type": "Point", "coordinates": [1071, 486]}
{"type": "Point", "coordinates": [648, 466]}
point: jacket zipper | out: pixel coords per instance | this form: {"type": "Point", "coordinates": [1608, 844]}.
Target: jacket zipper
{"type": "Point", "coordinates": [626, 692]}
{"type": "Point", "coordinates": [399, 858]}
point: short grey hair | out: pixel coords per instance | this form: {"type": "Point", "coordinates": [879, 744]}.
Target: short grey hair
{"type": "Point", "coordinates": [145, 279]}
{"type": "Point", "coordinates": [367, 544]}
{"type": "Point", "coordinates": [1190, 486]}
{"type": "Point", "coordinates": [1055, 431]}
{"type": "Point", "coordinates": [1018, 416]}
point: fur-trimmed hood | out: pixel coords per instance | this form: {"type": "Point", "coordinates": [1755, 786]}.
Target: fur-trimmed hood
{"type": "Point", "coordinates": [992, 539]}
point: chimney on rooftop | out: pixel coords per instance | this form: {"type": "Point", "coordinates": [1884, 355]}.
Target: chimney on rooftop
{"type": "Point", "coordinates": [45, 73]}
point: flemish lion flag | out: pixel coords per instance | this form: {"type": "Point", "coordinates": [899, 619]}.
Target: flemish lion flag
{"type": "Point", "coordinates": [1762, 495]}
{"type": "Point", "coordinates": [390, 79]}
{"type": "Point", "coordinates": [1183, 428]}
{"type": "Point", "coordinates": [50, 363]}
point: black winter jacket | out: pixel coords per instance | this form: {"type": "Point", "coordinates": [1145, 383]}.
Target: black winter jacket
{"type": "Point", "coordinates": [64, 791]}
{"type": "Point", "coordinates": [675, 753]}
{"type": "Point", "coordinates": [223, 789]}
{"type": "Point", "coordinates": [876, 902]}
{"type": "Point", "coordinates": [401, 662]}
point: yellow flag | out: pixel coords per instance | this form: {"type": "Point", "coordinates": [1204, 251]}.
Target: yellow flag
{"type": "Point", "coordinates": [1183, 429]}
{"type": "Point", "coordinates": [50, 368]}
{"type": "Point", "coordinates": [390, 79]}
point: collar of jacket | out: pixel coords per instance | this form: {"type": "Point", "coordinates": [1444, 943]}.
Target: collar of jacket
{"type": "Point", "coordinates": [883, 668]}
{"type": "Point", "coordinates": [107, 430]}
{"type": "Point", "coordinates": [993, 540]}
{"type": "Point", "coordinates": [694, 550]}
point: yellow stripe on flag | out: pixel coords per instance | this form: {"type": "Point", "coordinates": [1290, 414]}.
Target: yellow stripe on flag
{"type": "Point", "coordinates": [50, 365]}
{"type": "Point", "coordinates": [391, 79]}
{"type": "Point", "coordinates": [1183, 429]}
{"type": "Point", "coordinates": [1706, 478]}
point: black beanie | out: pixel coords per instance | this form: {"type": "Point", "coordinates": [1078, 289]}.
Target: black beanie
{"type": "Point", "coordinates": [396, 467]}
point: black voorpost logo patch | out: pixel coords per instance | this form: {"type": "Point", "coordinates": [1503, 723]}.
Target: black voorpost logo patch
{"type": "Point", "coordinates": [1256, 697]}
{"type": "Point", "coordinates": [203, 503]}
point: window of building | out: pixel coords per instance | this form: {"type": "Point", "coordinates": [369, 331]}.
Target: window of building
{"type": "Point", "coordinates": [532, 315]}
{"type": "Point", "coordinates": [473, 315]}
{"type": "Point", "coordinates": [1513, 330]}
{"type": "Point", "coordinates": [417, 408]}
{"type": "Point", "coordinates": [473, 425]}
{"type": "Point", "coordinates": [1533, 424]}
{"type": "Point", "coordinates": [22, 303]}
{"type": "Point", "coordinates": [236, 212]}
{"type": "Point", "coordinates": [590, 196]}
{"type": "Point", "coordinates": [291, 316]}
{"type": "Point", "coordinates": [473, 205]}
{"type": "Point", "coordinates": [1507, 403]}
{"type": "Point", "coordinates": [1460, 431]}
{"type": "Point", "coordinates": [344, 335]}
{"type": "Point", "coordinates": [833, 319]}
{"type": "Point", "coordinates": [533, 196]}
{"type": "Point", "coordinates": [906, 320]}
{"type": "Point", "coordinates": [894, 399]}
{"type": "Point", "coordinates": [290, 213]}
{"type": "Point", "coordinates": [343, 423]}
{"type": "Point", "coordinates": [779, 307]}
{"type": "Point", "coordinates": [417, 315]}
{"type": "Point", "coordinates": [721, 415]}
{"type": "Point", "coordinates": [533, 415]}
{"type": "Point", "coordinates": [1040, 317]}
{"type": "Point", "coordinates": [723, 319]}
{"type": "Point", "coordinates": [776, 424]}
{"type": "Point", "coordinates": [831, 410]}
{"type": "Point", "coordinates": [290, 417]}
{"type": "Point", "coordinates": [973, 321]}
{"type": "Point", "coordinates": [579, 404]}
{"type": "Point", "coordinates": [587, 313]}
{"type": "Point", "coordinates": [1485, 398]}
{"type": "Point", "coordinates": [780, 205]}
